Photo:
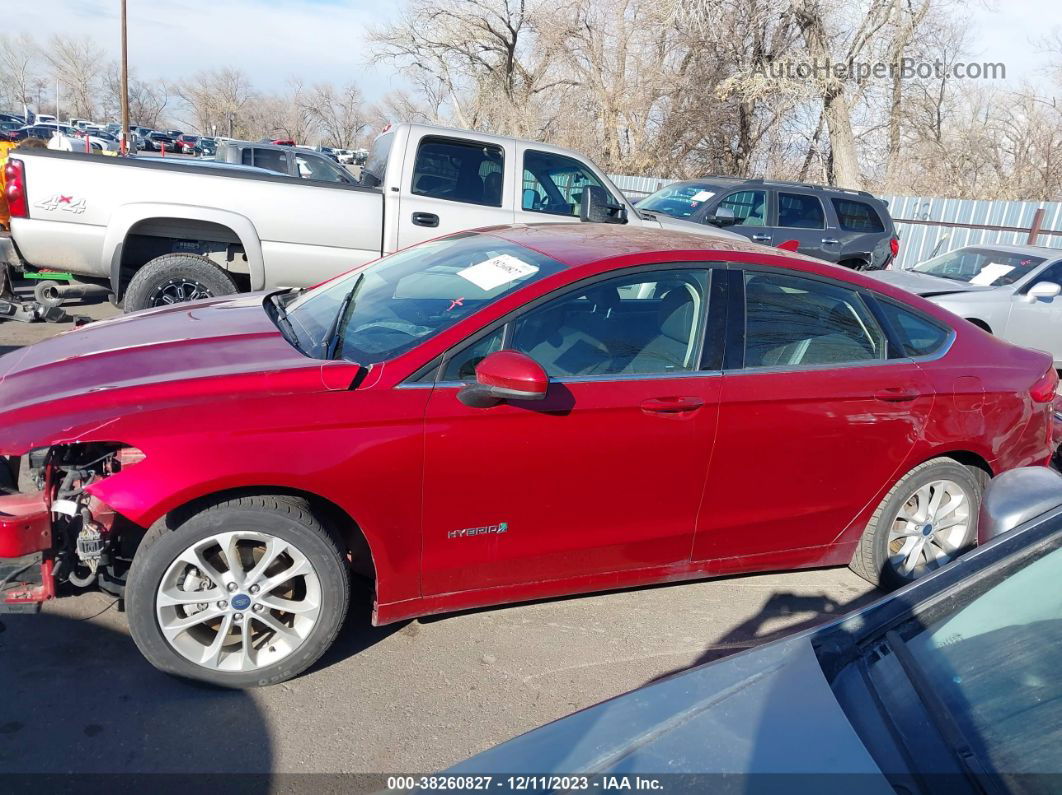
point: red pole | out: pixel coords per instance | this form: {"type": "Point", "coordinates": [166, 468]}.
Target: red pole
{"type": "Point", "coordinates": [88, 144]}
{"type": "Point", "coordinates": [162, 148]}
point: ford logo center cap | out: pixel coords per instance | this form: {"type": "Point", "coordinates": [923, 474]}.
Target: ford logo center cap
{"type": "Point", "coordinates": [241, 601]}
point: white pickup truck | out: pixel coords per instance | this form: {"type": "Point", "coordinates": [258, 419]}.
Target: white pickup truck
{"type": "Point", "coordinates": [158, 232]}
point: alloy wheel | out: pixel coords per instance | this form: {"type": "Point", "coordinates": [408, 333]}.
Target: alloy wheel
{"type": "Point", "coordinates": [932, 527]}
{"type": "Point", "coordinates": [177, 291]}
{"type": "Point", "coordinates": [238, 601]}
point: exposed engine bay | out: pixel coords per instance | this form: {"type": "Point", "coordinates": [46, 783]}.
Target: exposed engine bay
{"type": "Point", "coordinates": [56, 535]}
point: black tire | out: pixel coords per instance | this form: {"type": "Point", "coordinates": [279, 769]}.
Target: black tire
{"type": "Point", "coordinates": [286, 518]}
{"type": "Point", "coordinates": [871, 558]}
{"type": "Point", "coordinates": [46, 294]}
{"type": "Point", "coordinates": [163, 280]}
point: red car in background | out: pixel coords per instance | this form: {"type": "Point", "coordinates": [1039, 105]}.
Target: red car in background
{"type": "Point", "coordinates": [186, 144]}
{"type": "Point", "coordinates": [509, 414]}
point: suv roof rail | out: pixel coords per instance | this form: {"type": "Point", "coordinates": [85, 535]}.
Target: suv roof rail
{"type": "Point", "coordinates": [811, 185]}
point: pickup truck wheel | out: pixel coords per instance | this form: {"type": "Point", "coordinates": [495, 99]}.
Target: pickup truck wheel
{"type": "Point", "coordinates": [174, 279]}
{"type": "Point", "coordinates": [249, 592]}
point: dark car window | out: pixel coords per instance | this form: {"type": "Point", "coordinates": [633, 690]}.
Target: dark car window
{"type": "Point", "coordinates": [795, 322]}
{"type": "Point", "coordinates": [854, 216]}
{"type": "Point", "coordinates": [643, 324]}
{"type": "Point", "coordinates": [1052, 273]}
{"type": "Point", "coordinates": [270, 159]}
{"type": "Point", "coordinates": [459, 171]}
{"type": "Point", "coordinates": [554, 183]}
{"type": "Point", "coordinates": [680, 200]}
{"type": "Point", "coordinates": [918, 336]}
{"type": "Point", "coordinates": [748, 206]}
{"type": "Point", "coordinates": [800, 211]}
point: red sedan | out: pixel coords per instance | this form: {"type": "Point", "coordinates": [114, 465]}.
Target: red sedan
{"type": "Point", "coordinates": [495, 416]}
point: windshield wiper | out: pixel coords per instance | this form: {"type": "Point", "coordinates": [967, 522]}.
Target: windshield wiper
{"type": "Point", "coordinates": [282, 320]}
{"type": "Point", "coordinates": [333, 337]}
{"type": "Point", "coordinates": [940, 716]}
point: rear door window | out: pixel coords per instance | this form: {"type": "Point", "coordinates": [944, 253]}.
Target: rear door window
{"type": "Point", "coordinates": [800, 211]}
{"type": "Point", "coordinates": [917, 335]}
{"type": "Point", "coordinates": [791, 322]}
{"type": "Point", "coordinates": [853, 216]}
{"type": "Point", "coordinates": [460, 171]}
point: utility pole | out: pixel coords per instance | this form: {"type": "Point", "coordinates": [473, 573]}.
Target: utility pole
{"type": "Point", "coordinates": [125, 85]}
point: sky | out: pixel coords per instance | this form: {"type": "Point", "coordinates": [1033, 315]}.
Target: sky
{"type": "Point", "coordinates": [273, 40]}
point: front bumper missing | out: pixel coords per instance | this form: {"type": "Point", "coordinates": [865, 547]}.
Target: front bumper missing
{"type": "Point", "coordinates": [25, 538]}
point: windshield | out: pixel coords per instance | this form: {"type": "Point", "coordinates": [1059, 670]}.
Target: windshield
{"type": "Point", "coordinates": [679, 201]}
{"type": "Point", "coordinates": [995, 663]}
{"type": "Point", "coordinates": [402, 300]}
{"type": "Point", "coordinates": [981, 266]}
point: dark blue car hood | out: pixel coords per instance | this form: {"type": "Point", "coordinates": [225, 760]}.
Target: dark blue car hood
{"type": "Point", "coordinates": [769, 710]}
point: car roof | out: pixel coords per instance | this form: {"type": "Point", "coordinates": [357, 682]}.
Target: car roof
{"type": "Point", "coordinates": [732, 182]}
{"type": "Point", "coordinates": [581, 243]}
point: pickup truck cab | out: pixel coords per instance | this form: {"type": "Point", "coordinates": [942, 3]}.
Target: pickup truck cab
{"type": "Point", "coordinates": [159, 234]}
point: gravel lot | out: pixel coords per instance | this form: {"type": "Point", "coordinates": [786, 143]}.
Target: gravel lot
{"type": "Point", "coordinates": [411, 697]}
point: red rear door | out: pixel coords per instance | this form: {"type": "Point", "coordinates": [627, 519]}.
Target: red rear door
{"type": "Point", "coordinates": [812, 425]}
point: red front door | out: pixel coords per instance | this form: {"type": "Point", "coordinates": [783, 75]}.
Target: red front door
{"type": "Point", "coordinates": [601, 476]}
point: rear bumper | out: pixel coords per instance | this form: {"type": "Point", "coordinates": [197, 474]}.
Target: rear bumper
{"type": "Point", "coordinates": [25, 538]}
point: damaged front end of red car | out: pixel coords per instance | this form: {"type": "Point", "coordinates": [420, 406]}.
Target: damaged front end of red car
{"type": "Point", "coordinates": [54, 533]}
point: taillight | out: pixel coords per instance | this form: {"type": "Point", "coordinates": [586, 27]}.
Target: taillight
{"type": "Point", "coordinates": [15, 189]}
{"type": "Point", "coordinates": [894, 246]}
{"type": "Point", "coordinates": [1043, 391]}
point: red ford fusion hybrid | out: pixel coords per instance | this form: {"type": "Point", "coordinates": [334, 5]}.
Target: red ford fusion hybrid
{"type": "Point", "coordinates": [501, 415]}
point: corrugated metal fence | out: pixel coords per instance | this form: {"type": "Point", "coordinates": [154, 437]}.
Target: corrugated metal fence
{"type": "Point", "coordinates": [929, 226]}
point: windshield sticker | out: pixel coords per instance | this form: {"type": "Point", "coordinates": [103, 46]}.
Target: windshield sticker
{"type": "Point", "coordinates": [495, 272]}
{"type": "Point", "coordinates": [990, 272]}
{"type": "Point", "coordinates": [702, 196]}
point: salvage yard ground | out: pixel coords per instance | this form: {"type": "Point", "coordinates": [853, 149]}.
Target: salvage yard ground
{"type": "Point", "coordinates": [411, 697]}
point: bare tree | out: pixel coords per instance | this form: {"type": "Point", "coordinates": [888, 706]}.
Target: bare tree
{"type": "Point", "coordinates": [75, 62]}
{"type": "Point", "coordinates": [339, 113]}
{"type": "Point", "coordinates": [19, 70]}
{"type": "Point", "coordinates": [221, 100]}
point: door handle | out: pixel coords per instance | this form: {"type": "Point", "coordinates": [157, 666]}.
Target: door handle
{"type": "Point", "coordinates": [671, 405]}
{"type": "Point", "coordinates": [897, 394]}
{"type": "Point", "coordinates": [830, 241]}
{"type": "Point", "coordinates": [425, 219]}
{"type": "Point", "coordinates": [762, 238]}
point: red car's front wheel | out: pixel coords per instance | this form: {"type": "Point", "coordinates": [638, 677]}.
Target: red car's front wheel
{"type": "Point", "coordinates": [249, 592]}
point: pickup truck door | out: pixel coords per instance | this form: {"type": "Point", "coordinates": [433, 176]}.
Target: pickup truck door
{"type": "Point", "coordinates": [452, 184]}
{"type": "Point", "coordinates": [551, 186]}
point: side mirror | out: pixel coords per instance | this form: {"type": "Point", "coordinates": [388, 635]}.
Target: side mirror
{"type": "Point", "coordinates": [596, 207]}
{"type": "Point", "coordinates": [505, 375]}
{"type": "Point", "coordinates": [723, 216]}
{"type": "Point", "coordinates": [1045, 290]}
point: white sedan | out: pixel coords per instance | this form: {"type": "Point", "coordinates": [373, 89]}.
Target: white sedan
{"type": "Point", "coordinates": [1010, 291]}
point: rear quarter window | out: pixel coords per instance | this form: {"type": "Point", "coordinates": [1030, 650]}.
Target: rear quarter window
{"type": "Point", "coordinates": [917, 335]}
{"type": "Point", "coordinates": [854, 216]}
